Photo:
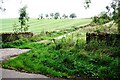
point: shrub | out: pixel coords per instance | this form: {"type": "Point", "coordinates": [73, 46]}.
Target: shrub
{"type": "Point", "coordinates": [102, 19]}
{"type": "Point", "coordinates": [15, 43]}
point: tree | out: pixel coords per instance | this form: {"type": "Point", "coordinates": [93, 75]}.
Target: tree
{"type": "Point", "coordinates": [113, 9]}
{"type": "Point", "coordinates": [64, 16]}
{"type": "Point", "coordinates": [56, 16]}
{"type": "Point", "coordinates": [38, 17]}
{"type": "Point", "coordinates": [115, 5]}
{"type": "Point", "coordinates": [104, 15]}
{"type": "Point", "coordinates": [52, 14]}
{"type": "Point", "coordinates": [87, 3]}
{"type": "Point", "coordinates": [23, 19]}
{"type": "Point", "coordinates": [102, 18]}
{"type": "Point", "coordinates": [1, 7]}
{"type": "Point", "coordinates": [73, 15]}
{"type": "Point", "coordinates": [41, 16]}
{"type": "Point", "coordinates": [46, 15]}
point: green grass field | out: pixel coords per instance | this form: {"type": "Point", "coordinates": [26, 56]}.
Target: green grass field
{"type": "Point", "coordinates": [43, 24]}
{"type": "Point", "coordinates": [69, 57]}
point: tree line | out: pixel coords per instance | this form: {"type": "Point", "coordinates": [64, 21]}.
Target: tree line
{"type": "Point", "coordinates": [57, 16]}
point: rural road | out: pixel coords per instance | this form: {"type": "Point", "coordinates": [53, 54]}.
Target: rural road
{"type": "Point", "coordinates": [15, 74]}
{"type": "Point", "coordinates": [8, 53]}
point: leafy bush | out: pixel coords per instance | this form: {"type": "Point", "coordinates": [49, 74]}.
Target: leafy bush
{"type": "Point", "coordinates": [102, 19]}
{"type": "Point", "coordinates": [15, 43]}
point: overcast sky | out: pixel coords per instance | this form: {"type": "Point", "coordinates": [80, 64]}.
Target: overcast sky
{"type": "Point", "coordinates": [36, 7]}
